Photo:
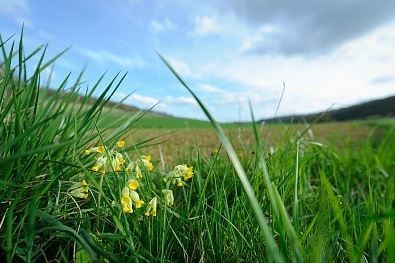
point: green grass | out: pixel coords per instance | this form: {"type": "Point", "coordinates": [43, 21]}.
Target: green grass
{"type": "Point", "coordinates": [380, 122]}
{"type": "Point", "coordinates": [169, 122]}
{"type": "Point", "coordinates": [304, 201]}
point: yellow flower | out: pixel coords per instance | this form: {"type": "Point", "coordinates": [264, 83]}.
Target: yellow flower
{"type": "Point", "coordinates": [121, 143]}
{"type": "Point", "coordinates": [100, 164]}
{"type": "Point", "coordinates": [133, 184]}
{"type": "Point", "coordinates": [174, 178]}
{"type": "Point", "coordinates": [83, 183]}
{"type": "Point", "coordinates": [100, 149]}
{"type": "Point", "coordinates": [80, 189]}
{"type": "Point", "coordinates": [117, 161]}
{"type": "Point", "coordinates": [136, 166]}
{"type": "Point", "coordinates": [168, 196]}
{"type": "Point", "coordinates": [147, 157]}
{"type": "Point", "coordinates": [179, 182]}
{"type": "Point", "coordinates": [151, 207]}
{"type": "Point", "coordinates": [180, 171]}
{"type": "Point", "coordinates": [146, 160]}
{"type": "Point", "coordinates": [189, 173]}
{"type": "Point", "coordinates": [184, 170]}
{"type": "Point", "coordinates": [130, 198]}
{"type": "Point", "coordinates": [80, 193]}
{"type": "Point", "coordinates": [126, 201]}
{"type": "Point", "coordinates": [139, 174]}
{"type": "Point", "coordinates": [130, 167]}
{"type": "Point", "coordinates": [136, 199]}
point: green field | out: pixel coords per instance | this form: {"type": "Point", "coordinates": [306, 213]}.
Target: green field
{"type": "Point", "coordinates": [77, 183]}
{"type": "Point", "coordinates": [168, 122]}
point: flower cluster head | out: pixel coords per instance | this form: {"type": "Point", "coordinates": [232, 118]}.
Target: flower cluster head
{"type": "Point", "coordinates": [180, 172]}
{"type": "Point", "coordinates": [135, 167]}
{"type": "Point", "coordinates": [80, 189]}
{"type": "Point", "coordinates": [116, 158]}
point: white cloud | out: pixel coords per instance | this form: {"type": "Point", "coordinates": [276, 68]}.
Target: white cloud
{"type": "Point", "coordinates": [161, 26]}
{"type": "Point", "coordinates": [145, 101]}
{"type": "Point", "coordinates": [18, 10]}
{"type": "Point", "coordinates": [256, 39]}
{"type": "Point", "coordinates": [181, 67]}
{"type": "Point", "coordinates": [137, 100]}
{"type": "Point", "coordinates": [343, 77]}
{"type": "Point", "coordinates": [309, 29]}
{"type": "Point", "coordinates": [165, 104]}
{"type": "Point", "coordinates": [208, 88]}
{"type": "Point", "coordinates": [105, 57]}
{"type": "Point", "coordinates": [180, 100]}
{"type": "Point", "coordinates": [206, 25]}
{"type": "Point", "coordinates": [14, 7]}
{"type": "Point", "coordinates": [225, 97]}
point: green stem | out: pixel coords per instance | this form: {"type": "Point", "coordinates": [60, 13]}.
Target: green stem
{"type": "Point", "coordinates": [99, 200]}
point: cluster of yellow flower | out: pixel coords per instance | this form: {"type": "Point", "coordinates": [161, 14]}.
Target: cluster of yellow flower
{"type": "Point", "coordinates": [80, 189]}
{"type": "Point", "coordinates": [132, 174]}
{"type": "Point", "coordinates": [135, 167]}
{"type": "Point", "coordinates": [115, 157]}
{"type": "Point", "coordinates": [180, 172]}
{"type": "Point", "coordinates": [175, 177]}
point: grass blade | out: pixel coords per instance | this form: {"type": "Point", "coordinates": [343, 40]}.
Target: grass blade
{"type": "Point", "coordinates": [270, 242]}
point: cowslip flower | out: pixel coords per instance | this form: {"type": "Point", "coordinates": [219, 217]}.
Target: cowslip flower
{"type": "Point", "coordinates": [174, 178]}
{"type": "Point", "coordinates": [121, 143]}
{"type": "Point", "coordinates": [80, 189]}
{"type": "Point", "coordinates": [98, 149]}
{"type": "Point", "coordinates": [136, 199]}
{"type": "Point", "coordinates": [100, 164]}
{"type": "Point", "coordinates": [116, 158]}
{"type": "Point", "coordinates": [117, 161]}
{"type": "Point", "coordinates": [146, 160]}
{"type": "Point", "coordinates": [184, 170]}
{"type": "Point", "coordinates": [137, 167]}
{"type": "Point", "coordinates": [138, 172]}
{"type": "Point", "coordinates": [126, 201]}
{"type": "Point", "coordinates": [168, 196]}
{"type": "Point", "coordinates": [180, 171]}
{"type": "Point", "coordinates": [151, 207]}
{"type": "Point", "coordinates": [133, 184]}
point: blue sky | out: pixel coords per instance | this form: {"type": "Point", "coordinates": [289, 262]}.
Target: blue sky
{"type": "Point", "coordinates": [332, 53]}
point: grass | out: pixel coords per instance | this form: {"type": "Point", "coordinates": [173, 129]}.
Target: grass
{"type": "Point", "coordinates": [303, 199]}
{"type": "Point", "coordinates": [169, 122]}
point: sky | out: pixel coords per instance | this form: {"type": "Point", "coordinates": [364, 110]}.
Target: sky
{"type": "Point", "coordinates": [325, 53]}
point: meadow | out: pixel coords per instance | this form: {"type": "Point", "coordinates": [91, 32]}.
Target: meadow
{"type": "Point", "coordinates": [81, 182]}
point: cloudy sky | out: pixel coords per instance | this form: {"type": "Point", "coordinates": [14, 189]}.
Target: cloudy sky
{"type": "Point", "coordinates": [327, 53]}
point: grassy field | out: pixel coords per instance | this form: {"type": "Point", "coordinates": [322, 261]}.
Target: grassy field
{"type": "Point", "coordinates": [79, 185]}
{"type": "Point", "coordinates": [173, 142]}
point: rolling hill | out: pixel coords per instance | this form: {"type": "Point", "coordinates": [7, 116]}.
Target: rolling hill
{"type": "Point", "coordinates": [379, 108]}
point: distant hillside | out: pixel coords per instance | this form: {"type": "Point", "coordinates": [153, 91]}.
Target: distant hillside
{"type": "Point", "coordinates": [371, 109]}
{"type": "Point", "coordinates": [151, 119]}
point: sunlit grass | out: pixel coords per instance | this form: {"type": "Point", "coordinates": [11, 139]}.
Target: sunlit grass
{"type": "Point", "coordinates": [300, 199]}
